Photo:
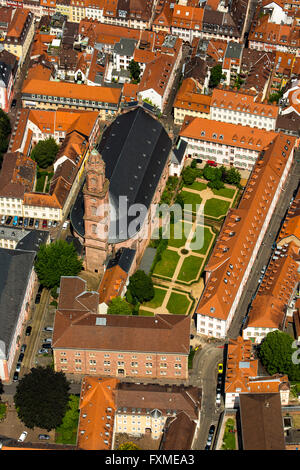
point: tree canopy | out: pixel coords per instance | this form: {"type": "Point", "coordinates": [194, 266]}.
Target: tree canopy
{"type": "Point", "coordinates": [119, 306]}
{"type": "Point", "coordinates": [141, 287]}
{"type": "Point", "coordinates": [55, 260]}
{"type": "Point", "coordinates": [135, 71]}
{"type": "Point", "coordinates": [5, 130]}
{"type": "Point", "coordinates": [44, 152]}
{"type": "Point", "coordinates": [41, 398]}
{"type": "Point", "coordinates": [276, 354]}
{"type": "Point", "coordinates": [216, 76]}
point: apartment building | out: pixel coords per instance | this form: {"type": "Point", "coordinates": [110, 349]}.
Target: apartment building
{"type": "Point", "coordinates": [137, 14]}
{"type": "Point", "coordinates": [162, 21]}
{"type": "Point", "coordinates": [76, 133]}
{"type": "Point", "coordinates": [48, 95]}
{"type": "Point", "coordinates": [116, 345]}
{"type": "Point", "coordinates": [8, 72]}
{"type": "Point", "coordinates": [243, 109]}
{"type": "Point", "coordinates": [18, 31]}
{"type": "Point", "coordinates": [242, 376]}
{"type": "Point", "coordinates": [235, 251]}
{"type": "Point", "coordinates": [132, 408]}
{"type": "Point", "coordinates": [266, 35]}
{"type": "Point", "coordinates": [187, 22]}
{"type": "Point", "coordinates": [145, 409]}
{"type": "Point", "coordinates": [157, 80]}
{"type": "Point", "coordinates": [190, 101]}
{"type": "Point", "coordinates": [232, 144]}
{"type": "Point", "coordinates": [270, 309]}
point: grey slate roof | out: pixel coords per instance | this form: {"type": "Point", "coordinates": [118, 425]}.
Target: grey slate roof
{"type": "Point", "coordinates": [135, 149]}
{"type": "Point", "coordinates": [123, 258]}
{"type": "Point", "coordinates": [15, 271]}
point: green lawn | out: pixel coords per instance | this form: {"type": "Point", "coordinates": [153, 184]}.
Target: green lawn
{"type": "Point", "coordinates": [177, 229]}
{"type": "Point", "coordinates": [166, 266]}
{"type": "Point", "coordinates": [66, 433]}
{"type": "Point", "coordinates": [216, 207]}
{"type": "Point", "coordinates": [229, 437]}
{"type": "Point", "coordinates": [190, 269]}
{"type": "Point", "coordinates": [191, 198]}
{"type": "Point", "coordinates": [178, 304]}
{"type": "Point", "coordinates": [199, 240]}
{"type": "Point", "coordinates": [159, 295]}
{"type": "Point", "coordinates": [224, 192]}
{"type": "Point", "coordinates": [197, 185]}
{"type": "Point", "coordinates": [145, 313]}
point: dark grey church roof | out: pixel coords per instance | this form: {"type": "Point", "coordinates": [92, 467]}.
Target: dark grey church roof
{"type": "Point", "coordinates": [15, 271]}
{"type": "Point", "coordinates": [135, 149]}
{"type": "Point", "coordinates": [124, 258]}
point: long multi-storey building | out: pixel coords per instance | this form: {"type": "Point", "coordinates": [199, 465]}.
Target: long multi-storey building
{"type": "Point", "coordinates": [243, 230]}
{"type": "Point", "coordinates": [85, 342]}
{"type": "Point", "coordinates": [242, 109]}
{"type": "Point", "coordinates": [229, 144]}
{"type": "Point", "coordinates": [45, 94]}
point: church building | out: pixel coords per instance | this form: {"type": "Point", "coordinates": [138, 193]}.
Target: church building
{"type": "Point", "coordinates": [125, 174]}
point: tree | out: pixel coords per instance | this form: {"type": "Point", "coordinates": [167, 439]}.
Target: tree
{"type": "Point", "coordinates": [141, 286]}
{"type": "Point", "coordinates": [189, 175]}
{"type": "Point", "coordinates": [55, 260]}
{"type": "Point", "coordinates": [41, 398]}
{"type": "Point", "coordinates": [135, 71]}
{"type": "Point", "coordinates": [128, 446]}
{"type": "Point", "coordinates": [232, 176]}
{"type": "Point", "coordinates": [275, 353]}
{"type": "Point", "coordinates": [216, 76]}
{"type": "Point", "coordinates": [119, 306]}
{"type": "Point", "coordinates": [5, 130]}
{"type": "Point", "coordinates": [44, 152]}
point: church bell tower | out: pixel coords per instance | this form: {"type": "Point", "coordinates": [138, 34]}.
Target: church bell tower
{"type": "Point", "coordinates": [96, 213]}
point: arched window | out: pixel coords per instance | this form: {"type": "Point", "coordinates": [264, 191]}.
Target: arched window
{"type": "Point", "coordinates": [94, 228]}
{"type": "Point", "coordinates": [93, 210]}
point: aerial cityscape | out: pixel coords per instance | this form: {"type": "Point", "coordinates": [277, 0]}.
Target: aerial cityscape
{"type": "Point", "coordinates": [150, 226]}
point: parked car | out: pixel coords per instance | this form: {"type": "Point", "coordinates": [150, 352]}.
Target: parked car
{"type": "Point", "coordinates": [43, 351]}
{"type": "Point", "coordinates": [49, 224]}
{"type": "Point", "coordinates": [23, 436]}
{"type": "Point", "coordinates": [209, 440]}
{"type": "Point", "coordinates": [54, 223]}
{"type": "Point", "coordinates": [21, 357]}
{"type": "Point", "coordinates": [65, 224]}
{"type": "Point", "coordinates": [220, 368]}
{"type": "Point", "coordinates": [46, 346]}
{"type": "Point", "coordinates": [48, 340]}
{"type": "Point", "coordinates": [31, 222]}
{"type": "Point", "coordinates": [218, 399]}
{"type": "Point", "coordinates": [26, 221]}
{"type": "Point", "coordinates": [23, 348]}
{"type": "Point", "coordinates": [44, 437]}
{"type": "Point", "coordinates": [28, 331]}
{"type": "Point", "coordinates": [48, 328]}
{"type": "Point", "coordinates": [212, 430]}
{"type": "Point", "coordinates": [37, 298]}
{"type": "Point", "coordinates": [8, 220]}
{"type": "Point", "coordinates": [3, 219]}
{"type": "Point", "coordinates": [20, 221]}
{"type": "Point", "coordinates": [220, 379]}
{"type": "Point", "coordinates": [15, 220]}
{"type": "Point", "coordinates": [16, 377]}
{"type": "Point", "coordinates": [18, 367]}
{"type": "Point", "coordinates": [44, 225]}
{"type": "Point", "coordinates": [37, 224]}
{"type": "Point", "coordinates": [219, 388]}
{"type": "Point", "coordinates": [13, 103]}
{"type": "Point", "coordinates": [211, 163]}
